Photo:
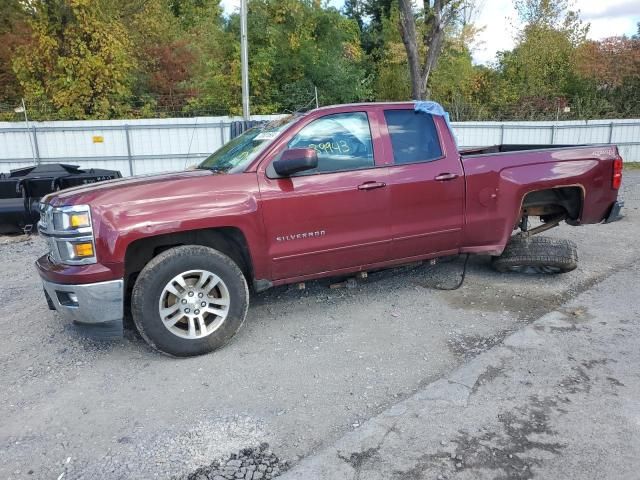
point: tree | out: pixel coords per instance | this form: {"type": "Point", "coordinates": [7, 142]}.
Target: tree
{"type": "Point", "coordinates": [538, 77]}
{"type": "Point", "coordinates": [14, 32]}
{"type": "Point", "coordinates": [371, 16]}
{"type": "Point", "coordinates": [215, 72]}
{"type": "Point", "coordinates": [294, 46]}
{"type": "Point", "coordinates": [435, 18]}
{"type": "Point", "coordinates": [453, 82]}
{"type": "Point", "coordinates": [609, 72]}
{"type": "Point", "coordinates": [163, 53]}
{"type": "Point", "coordinates": [79, 60]}
{"type": "Point", "coordinates": [392, 79]}
{"type": "Point", "coordinates": [553, 15]}
{"type": "Point", "coordinates": [541, 64]}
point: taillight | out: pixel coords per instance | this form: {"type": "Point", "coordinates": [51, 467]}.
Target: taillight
{"type": "Point", "coordinates": [616, 180]}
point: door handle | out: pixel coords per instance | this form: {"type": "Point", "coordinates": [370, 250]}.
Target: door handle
{"type": "Point", "coordinates": [445, 177]}
{"type": "Point", "coordinates": [371, 185]}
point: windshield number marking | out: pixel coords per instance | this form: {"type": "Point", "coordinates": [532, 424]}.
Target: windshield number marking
{"type": "Point", "coordinates": [330, 147]}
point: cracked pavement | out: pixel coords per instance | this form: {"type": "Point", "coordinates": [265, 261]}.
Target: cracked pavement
{"type": "Point", "coordinates": [557, 399]}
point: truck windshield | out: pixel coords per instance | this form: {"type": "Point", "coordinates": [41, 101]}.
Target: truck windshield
{"type": "Point", "coordinates": [234, 156]}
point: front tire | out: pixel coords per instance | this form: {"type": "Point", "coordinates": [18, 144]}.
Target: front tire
{"type": "Point", "coordinates": [189, 300]}
{"type": "Point", "coordinates": [537, 255]}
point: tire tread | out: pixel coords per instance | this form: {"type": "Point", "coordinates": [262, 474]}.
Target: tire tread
{"type": "Point", "coordinates": [538, 252]}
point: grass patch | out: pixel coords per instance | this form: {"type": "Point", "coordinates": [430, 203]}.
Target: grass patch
{"type": "Point", "coordinates": [632, 165]}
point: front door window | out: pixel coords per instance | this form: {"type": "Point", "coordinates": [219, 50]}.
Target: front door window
{"type": "Point", "coordinates": [342, 141]}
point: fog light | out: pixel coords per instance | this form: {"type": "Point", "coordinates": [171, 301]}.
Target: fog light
{"type": "Point", "coordinates": [81, 250]}
{"type": "Point", "coordinates": [67, 299]}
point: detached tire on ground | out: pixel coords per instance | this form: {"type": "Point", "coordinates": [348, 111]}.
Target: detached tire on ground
{"type": "Point", "coordinates": [537, 255]}
{"type": "Point", "coordinates": [189, 300]}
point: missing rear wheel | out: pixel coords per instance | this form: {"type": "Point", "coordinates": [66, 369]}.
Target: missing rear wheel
{"type": "Point", "coordinates": [537, 255]}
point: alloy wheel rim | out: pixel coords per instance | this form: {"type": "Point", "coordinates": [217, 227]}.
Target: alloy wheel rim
{"type": "Point", "coordinates": [194, 304]}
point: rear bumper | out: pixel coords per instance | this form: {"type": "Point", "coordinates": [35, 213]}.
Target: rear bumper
{"type": "Point", "coordinates": [615, 212]}
{"type": "Point", "coordinates": [97, 306]}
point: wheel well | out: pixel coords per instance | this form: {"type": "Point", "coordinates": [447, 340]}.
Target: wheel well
{"type": "Point", "coordinates": [552, 201]}
{"type": "Point", "coordinates": [228, 240]}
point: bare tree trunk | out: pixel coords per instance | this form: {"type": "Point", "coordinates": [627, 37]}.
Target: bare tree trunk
{"type": "Point", "coordinates": [409, 38]}
{"type": "Point", "coordinates": [433, 41]}
{"type": "Point", "coordinates": [436, 19]}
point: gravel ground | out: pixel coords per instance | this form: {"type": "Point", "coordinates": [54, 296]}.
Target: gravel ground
{"type": "Point", "coordinates": [308, 367]}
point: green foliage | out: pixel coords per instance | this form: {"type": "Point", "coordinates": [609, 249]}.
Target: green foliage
{"type": "Point", "coordinates": [302, 45]}
{"type": "Point", "coordinates": [215, 79]}
{"type": "Point", "coordinates": [392, 79]}
{"type": "Point", "coordinates": [79, 61]}
{"type": "Point", "coordinates": [542, 63]}
{"type": "Point", "coordinates": [137, 58]}
{"type": "Point", "coordinates": [13, 33]}
{"type": "Point", "coordinates": [553, 66]}
{"type": "Point", "coordinates": [454, 81]}
{"type": "Point", "coordinates": [553, 15]}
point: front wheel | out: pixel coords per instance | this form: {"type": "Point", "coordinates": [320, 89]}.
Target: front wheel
{"type": "Point", "coordinates": [537, 255]}
{"type": "Point", "coordinates": [189, 300]}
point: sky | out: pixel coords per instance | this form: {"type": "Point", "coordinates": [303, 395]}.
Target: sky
{"type": "Point", "coordinates": [607, 18]}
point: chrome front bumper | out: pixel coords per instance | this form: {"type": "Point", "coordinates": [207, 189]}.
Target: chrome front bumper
{"type": "Point", "coordinates": [98, 305]}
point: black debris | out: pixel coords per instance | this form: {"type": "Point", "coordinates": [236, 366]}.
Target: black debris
{"type": "Point", "coordinates": [252, 463]}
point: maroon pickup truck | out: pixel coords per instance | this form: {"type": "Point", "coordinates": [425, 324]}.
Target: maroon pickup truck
{"type": "Point", "coordinates": [338, 190]}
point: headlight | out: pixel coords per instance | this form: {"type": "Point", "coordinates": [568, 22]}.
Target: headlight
{"type": "Point", "coordinates": [69, 231]}
{"type": "Point", "coordinates": [72, 219]}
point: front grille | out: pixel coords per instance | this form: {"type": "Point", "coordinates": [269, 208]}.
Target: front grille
{"type": "Point", "coordinates": [46, 218]}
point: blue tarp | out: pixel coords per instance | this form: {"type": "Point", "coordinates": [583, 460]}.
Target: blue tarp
{"type": "Point", "coordinates": [434, 108]}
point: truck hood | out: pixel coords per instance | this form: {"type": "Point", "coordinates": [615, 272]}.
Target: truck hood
{"type": "Point", "coordinates": [133, 189]}
{"type": "Point", "coordinates": [125, 210]}
{"type": "Point", "coordinates": [163, 203]}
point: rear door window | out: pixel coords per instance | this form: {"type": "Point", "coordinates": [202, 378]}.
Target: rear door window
{"type": "Point", "coordinates": [414, 137]}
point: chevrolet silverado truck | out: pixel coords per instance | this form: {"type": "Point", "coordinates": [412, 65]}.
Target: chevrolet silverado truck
{"type": "Point", "coordinates": [336, 191]}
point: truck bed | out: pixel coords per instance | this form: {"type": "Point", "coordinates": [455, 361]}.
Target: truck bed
{"type": "Point", "coordinates": [499, 177]}
{"type": "Point", "coordinates": [492, 149]}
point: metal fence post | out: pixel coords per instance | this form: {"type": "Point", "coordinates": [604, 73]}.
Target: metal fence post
{"type": "Point", "coordinates": [502, 134]}
{"type": "Point", "coordinates": [553, 134]}
{"type": "Point", "coordinates": [129, 157]}
{"type": "Point", "coordinates": [221, 133]}
{"type": "Point", "coordinates": [35, 144]}
{"type": "Point", "coordinates": [610, 132]}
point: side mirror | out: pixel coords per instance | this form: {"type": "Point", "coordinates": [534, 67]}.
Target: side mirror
{"type": "Point", "coordinates": [295, 160]}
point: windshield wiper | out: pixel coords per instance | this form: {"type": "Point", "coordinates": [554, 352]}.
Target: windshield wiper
{"type": "Point", "coordinates": [219, 169]}
{"type": "Point", "coordinates": [212, 169]}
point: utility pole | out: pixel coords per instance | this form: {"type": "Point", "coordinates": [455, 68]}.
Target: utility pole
{"type": "Point", "coordinates": [244, 59]}
{"type": "Point", "coordinates": [23, 109]}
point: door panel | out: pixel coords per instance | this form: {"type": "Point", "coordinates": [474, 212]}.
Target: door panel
{"type": "Point", "coordinates": [427, 192]}
{"type": "Point", "coordinates": [426, 213]}
{"type": "Point", "coordinates": [320, 223]}
{"type": "Point", "coordinates": [335, 216]}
